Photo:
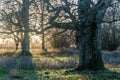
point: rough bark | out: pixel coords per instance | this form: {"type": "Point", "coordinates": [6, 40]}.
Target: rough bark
{"type": "Point", "coordinates": [25, 45]}
{"type": "Point", "coordinates": [88, 40]}
{"type": "Point", "coordinates": [25, 22]}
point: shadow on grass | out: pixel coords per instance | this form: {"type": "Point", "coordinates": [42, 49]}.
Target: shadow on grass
{"type": "Point", "coordinates": [19, 66]}
{"type": "Point", "coordinates": [94, 75]}
{"type": "Point", "coordinates": [22, 68]}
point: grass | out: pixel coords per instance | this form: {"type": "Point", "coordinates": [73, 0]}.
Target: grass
{"type": "Point", "coordinates": [52, 66]}
{"type": "Point", "coordinates": [3, 74]}
{"type": "Point", "coordinates": [59, 74]}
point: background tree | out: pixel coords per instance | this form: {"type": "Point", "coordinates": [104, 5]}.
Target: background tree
{"type": "Point", "coordinates": [26, 17]}
{"type": "Point", "coordinates": [111, 31]}
{"type": "Point", "coordinates": [16, 36]}
{"type": "Point", "coordinates": [110, 37]}
{"type": "Point", "coordinates": [60, 38]}
{"type": "Point", "coordinates": [9, 20]}
{"type": "Point", "coordinates": [16, 13]}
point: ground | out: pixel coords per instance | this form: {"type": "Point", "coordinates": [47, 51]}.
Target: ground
{"type": "Point", "coordinates": [53, 74]}
{"type": "Point", "coordinates": [55, 65]}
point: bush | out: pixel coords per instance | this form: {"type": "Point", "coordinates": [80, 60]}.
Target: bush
{"type": "Point", "coordinates": [110, 37]}
{"type": "Point", "coordinates": [60, 38]}
{"type": "Point", "coordinates": [118, 48]}
{"type": "Point", "coordinates": [59, 42]}
{"type": "Point", "coordinates": [14, 73]}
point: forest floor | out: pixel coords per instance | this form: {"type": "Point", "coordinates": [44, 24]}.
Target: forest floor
{"type": "Point", "coordinates": [52, 65]}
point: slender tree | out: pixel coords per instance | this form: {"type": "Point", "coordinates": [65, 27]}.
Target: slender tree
{"type": "Point", "coordinates": [25, 25]}
{"type": "Point", "coordinates": [42, 24]}
{"type": "Point", "coordinates": [16, 13]}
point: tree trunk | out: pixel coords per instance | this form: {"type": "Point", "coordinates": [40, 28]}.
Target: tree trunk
{"type": "Point", "coordinates": [88, 40]}
{"type": "Point", "coordinates": [17, 44]}
{"type": "Point", "coordinates": [25, 44]}
{"type": "Point", "coordinates": [25, 21]}
{"type": "Point", "coordinates": [42, 25]}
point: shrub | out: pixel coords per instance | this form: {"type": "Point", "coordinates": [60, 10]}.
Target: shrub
{"type": "Point", "coordinates": [118, 48]}
{"type": "Point", "coordinates": [110, 37]}
{"type": "Point", "coordinates": [14, 73]}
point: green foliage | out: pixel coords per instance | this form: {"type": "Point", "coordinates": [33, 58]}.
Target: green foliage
{"type": "Point", "coordinates": [3, 73]}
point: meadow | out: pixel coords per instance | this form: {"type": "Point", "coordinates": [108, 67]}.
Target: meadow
{"type": "Point", "coordinates": [55, 64]}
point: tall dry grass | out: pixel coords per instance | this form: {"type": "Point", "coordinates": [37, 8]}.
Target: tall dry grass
{"type": "Point", "coordinates": [53, 59]}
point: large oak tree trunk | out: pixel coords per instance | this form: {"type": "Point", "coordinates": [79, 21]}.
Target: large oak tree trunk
{"type": "Point", "coordinates": [88, 37]}
{"type": "Point", "coordinates": [88, 40]}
